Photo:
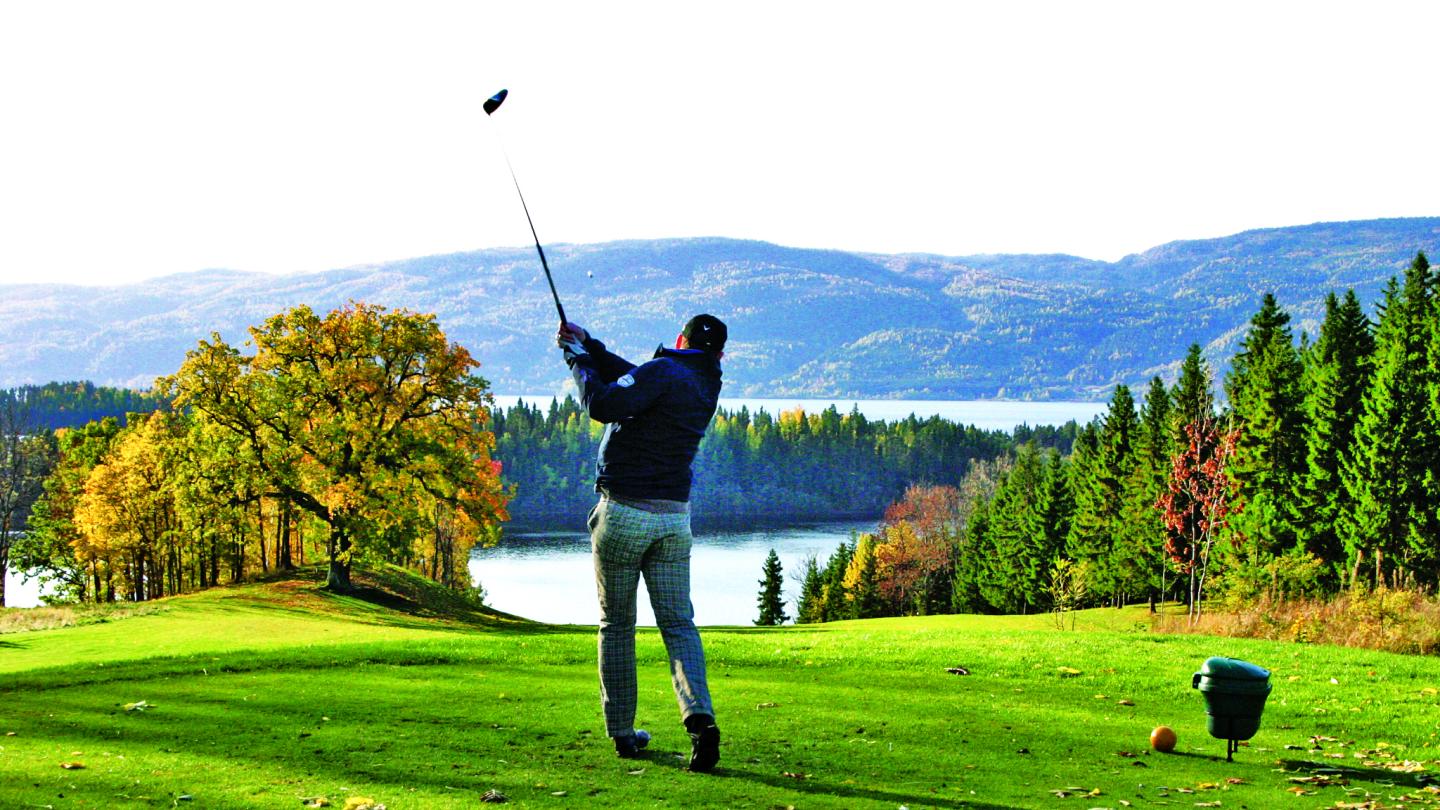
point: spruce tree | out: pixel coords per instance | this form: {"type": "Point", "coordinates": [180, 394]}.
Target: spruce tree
{"type": "Point", "coordinates": [772, 582]}
{"type": "Point", "coordinates": [1099, 489]}
{"type": "Point", "coordinates": [1019, 566]}
{"type": "Point", "coordinates": [1390, 524]}
{"type": "Point", "coordinates": [1264, 388]}
{"type": "Point", "coordinates": [811, 607]}
{"type": "Point", "coordinates": [835, 605]}
{"type": "Point", "coordinates": [1141, 538]}
{"type": "Point", "coordinates": [1337, 373]}
{"type": "Point", "coordinates": [1057, 509]}
{"type": "Point", "coordinates": [965, 596]}
{"type": "Point", "coordinates": [1191, 398]}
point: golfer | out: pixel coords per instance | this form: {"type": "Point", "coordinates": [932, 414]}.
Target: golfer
{"type": "Point", "coordinates": [654, 416]}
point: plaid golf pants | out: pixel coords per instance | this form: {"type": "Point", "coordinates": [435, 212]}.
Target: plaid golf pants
{"type": "Point", "coordinates": [626, 543]}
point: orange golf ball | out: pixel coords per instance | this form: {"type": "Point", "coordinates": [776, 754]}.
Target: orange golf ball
{"type": "Point", "coordinates": [1162, 739]}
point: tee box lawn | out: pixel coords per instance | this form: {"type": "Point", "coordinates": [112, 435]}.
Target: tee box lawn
{"type": "Point", "coordinates": [281, 695]}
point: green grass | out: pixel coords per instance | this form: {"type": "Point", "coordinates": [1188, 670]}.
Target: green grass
{"type": "Point", "coordinates": [270, 694]}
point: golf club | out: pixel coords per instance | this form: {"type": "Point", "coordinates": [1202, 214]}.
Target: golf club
{"type": "Point", "coordinates": [491, 105]}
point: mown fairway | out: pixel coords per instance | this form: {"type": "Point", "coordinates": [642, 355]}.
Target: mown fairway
{"type": "Point", "coordinates": [272, 695]}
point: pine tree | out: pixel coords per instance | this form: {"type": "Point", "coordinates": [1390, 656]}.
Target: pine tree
{"type": "Point", "coordinates": [1017, 568]}
{"type": "Point", "coordinates": [1099, 495]}
{"type": "Point", "coordinates": [965, 596]}
{"type": "Point", "coordinates": [811, 607]}
{"type": "Point", "coordinates": [772, 606]}
{"type": "Point", "coordinates": [835, 605]}
{"type": "Point", "coordinates": [1264, 387]}
{"type": "Point", "coordinates": [1057, 510]}
{"type": "Point", "coordinates": [1191, 398]}
{"type": "Point", "coordinates": [1337, 373]}
{"type": "Point", "coordinates": [1140, 551]}
{"type": "Point", "coordinates": [1390, 524]}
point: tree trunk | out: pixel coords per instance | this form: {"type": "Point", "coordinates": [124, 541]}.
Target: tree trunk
{"type": "Point", "coordinates": [338, 577]}
{"type": "Point", "coordinates": [260, 518]}
{"type": "Point", "coordinates": [283, 543]}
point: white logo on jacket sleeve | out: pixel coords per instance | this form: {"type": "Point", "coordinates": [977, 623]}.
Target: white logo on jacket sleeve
{"type": "Point", "coordinates": [626, 381]}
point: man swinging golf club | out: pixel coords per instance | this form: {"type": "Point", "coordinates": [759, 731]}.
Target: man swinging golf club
{"type": "Point", "coordinates": [655, 415]}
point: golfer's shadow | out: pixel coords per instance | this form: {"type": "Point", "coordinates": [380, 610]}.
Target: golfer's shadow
{"type": "Point", "coordinates": [818, 787]}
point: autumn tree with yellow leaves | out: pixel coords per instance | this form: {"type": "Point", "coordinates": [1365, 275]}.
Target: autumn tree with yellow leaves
{"type": "Point", "coordinates": [368, 419]}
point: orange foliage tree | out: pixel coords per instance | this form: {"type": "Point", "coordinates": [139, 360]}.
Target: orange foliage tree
{"type": "Point", "coordinates": [370, 420]}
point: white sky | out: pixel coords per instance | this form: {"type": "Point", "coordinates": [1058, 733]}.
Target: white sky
{"type": "Point", "coordinates": [145, 138]}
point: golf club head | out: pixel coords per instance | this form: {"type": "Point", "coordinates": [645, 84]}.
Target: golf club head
{"type": "Point", "coordinates": [493, 103]}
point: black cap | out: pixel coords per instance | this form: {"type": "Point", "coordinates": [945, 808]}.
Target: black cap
{"type": "Point", "coordinates": [706, 332]}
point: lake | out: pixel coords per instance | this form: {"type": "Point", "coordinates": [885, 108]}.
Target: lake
{"type": "Point", "coordinates": [518, 574]}
{"type": "Point", "coordinates": [548, 576]}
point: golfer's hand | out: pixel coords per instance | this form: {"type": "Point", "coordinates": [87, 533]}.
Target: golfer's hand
{"type": "Point", "coordinates": [570, 342]}
{"type": "Point", "coordinates": [575, 331]}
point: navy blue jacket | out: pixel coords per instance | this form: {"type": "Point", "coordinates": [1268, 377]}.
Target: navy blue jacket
{"type": "Point", "coordinates": [654, 415]}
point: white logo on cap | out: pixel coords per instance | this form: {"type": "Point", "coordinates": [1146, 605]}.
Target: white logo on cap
{"type": "Point", "coordinates": [626, 381]}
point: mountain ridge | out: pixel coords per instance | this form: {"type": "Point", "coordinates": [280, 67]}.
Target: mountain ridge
{"type": "Point", "coordinates": [804, 322]}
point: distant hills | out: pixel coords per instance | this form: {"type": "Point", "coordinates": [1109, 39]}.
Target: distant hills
{"type": "Point", "coordinates": [812, 323]}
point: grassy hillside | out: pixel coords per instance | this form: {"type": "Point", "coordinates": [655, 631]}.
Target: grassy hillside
{"type": "Point", "coordinates": [277, 694]}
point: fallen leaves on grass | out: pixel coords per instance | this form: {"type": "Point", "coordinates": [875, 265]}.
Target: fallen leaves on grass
{"type": "Point", "coordinates": [139, 706]}
{"type": "Point", "coordinates": [636, 772]}
{"type": "Point", "coordinates": [767, 705]}
{"type": "Point", "coordinates": [73, 766]}
{"type": "Point", "coordinates": [795, 775]}
{"type": "Point", "coordinates": [1320, 780]}
{"type": "Point", "coordinates": [315, 801]}
{"type": "Point", "coordinates": [1125, 702]}
{"type": "Point", "coordinates": [1068, 792]}
{"type": "Point", "coordinates": [362, 803]}
{"type": "Point", "coordinates": [1068, 672]}
{"type": "Point", "coordinates": [958, 671]}
{"type": "Point", "coordinates": [493, 796]}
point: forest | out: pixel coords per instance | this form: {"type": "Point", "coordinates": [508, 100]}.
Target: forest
{"type": "Point", "coordinates": [789, 466]}
{"type": "Point", "coordinates": [1319, 474]}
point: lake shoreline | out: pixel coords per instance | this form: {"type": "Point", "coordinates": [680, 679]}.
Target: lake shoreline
{"type": "Point", "coordinates": [567, 523]}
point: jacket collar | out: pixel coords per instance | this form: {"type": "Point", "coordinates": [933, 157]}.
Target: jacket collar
{"type": "Point", "coordinates": [698, 359]}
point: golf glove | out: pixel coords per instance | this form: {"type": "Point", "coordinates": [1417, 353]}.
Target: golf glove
{"type": "Point", "coordinates": [572, 348]}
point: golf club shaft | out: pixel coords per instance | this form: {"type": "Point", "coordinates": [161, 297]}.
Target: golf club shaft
{"type": "Point", "coordinates": [544, 264]}
{"type": "Point", "coordinates": [490, 108]}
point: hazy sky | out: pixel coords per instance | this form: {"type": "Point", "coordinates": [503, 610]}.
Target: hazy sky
{"type": "Point", "coordinates": [146, 138]}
